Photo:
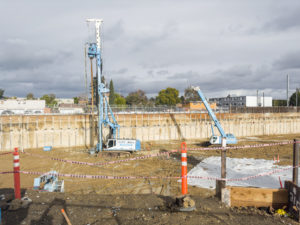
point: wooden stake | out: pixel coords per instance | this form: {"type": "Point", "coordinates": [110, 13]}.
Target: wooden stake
{"type": "Point", "coordinates": [66, 217]}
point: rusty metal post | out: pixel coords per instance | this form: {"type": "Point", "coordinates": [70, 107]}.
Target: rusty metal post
{"type": "Point", "coordinates": [223, 163]}
{"type": "Point", "coordinates": [296, 160]}
{"type": "Point", "coordinates": [220, 184]}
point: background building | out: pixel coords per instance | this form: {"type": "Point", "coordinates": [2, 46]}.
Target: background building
{"type": "Point", "coordinates": [242, 101]}
{"type": "Point", "coordinates": [17, 106]}
{"type": "Point", "coordinates": [64, 100]}
{"type": "Point", "coordinates": [198, 105]}
{"type": "Point", "coordinates": [71, 109]}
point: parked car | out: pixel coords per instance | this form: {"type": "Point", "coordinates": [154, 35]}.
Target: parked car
{"type": "Point", "coordinates": [28, 112]}
{"type": "Point", "coordinates": [7, 112]}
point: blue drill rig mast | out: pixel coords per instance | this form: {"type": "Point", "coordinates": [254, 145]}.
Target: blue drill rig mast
{"type": "Point", "coordinates": [94, 51]}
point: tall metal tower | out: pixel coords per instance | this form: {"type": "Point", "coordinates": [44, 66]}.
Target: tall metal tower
{"type": "Point", "coordinates": [94, 51]}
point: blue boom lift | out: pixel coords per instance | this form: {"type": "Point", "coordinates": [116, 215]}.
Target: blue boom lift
{"type": "Point", "coordinates": [104, 120]}
{"type": "Point", "coordinates": [214, 139]}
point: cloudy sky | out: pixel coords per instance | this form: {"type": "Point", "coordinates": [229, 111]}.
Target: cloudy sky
{"type": "Point", "coordinates": [225, 47]}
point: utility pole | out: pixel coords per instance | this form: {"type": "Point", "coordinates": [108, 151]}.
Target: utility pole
{"type": "Point", "coordinates": [263, 99]}
{"type": "Point", "coordinates": [287, 90]}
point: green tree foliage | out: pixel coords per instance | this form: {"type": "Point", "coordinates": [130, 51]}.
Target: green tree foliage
{"type": "Point", "coordinates": [76, 100]}
{"type": "Point", "coordinates": [29, 96]}
{"type": "Point", "coordinates": [168, 96]}
{"type": "Point", "coordinates": [112, 95]}
{"type": "Point", "coordinates": [190, 95]}
{"type": "Point", "coordinates": [119, 100]}
{"type": "Point", "coordinates": [279, 102]}
{"type": "Point", "coordinates": [182, 99]}
{"type": "Point", "coordinates": [1, 93]}
{"type": "Point", "coordinates": [50, 100]}
{"type": "Point", "coordinates": [137, 98]}
{"type": "Point", "coordinates": [293, 99]}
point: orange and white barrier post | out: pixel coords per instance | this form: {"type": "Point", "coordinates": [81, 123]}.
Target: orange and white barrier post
{"type": "Point", "coordinates": [17, 174]}
{"type": "Point", "coordinates": [184, 188]}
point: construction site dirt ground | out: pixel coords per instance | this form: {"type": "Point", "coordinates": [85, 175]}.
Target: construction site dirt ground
{"type": "Point", "coordinates": [132, 201]}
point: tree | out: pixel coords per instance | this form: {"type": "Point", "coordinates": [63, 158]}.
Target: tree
{"type": "Point", "coordinates": [50, 100]}
{"type": "Point", "coordinates": [295, 98]}
{"type": "Point", "coordinates": [119, 100]}
{"type": "Point", "coordinates": [112, 96]}
{"type": "Point", "coordinates": [76, 100]}
{"type": "Point", "coordinates": [1, 93]}
{"type": "Point", "coordinates": [29, 96]}
{"type": "Point", "coordinates": [168, 96]}
{"type": "Point", "coordinates": [137, 98]}
{"type": "Point", "coordinates": [190, 95]}
{"type": "Point", "coordinates": [279, 102]}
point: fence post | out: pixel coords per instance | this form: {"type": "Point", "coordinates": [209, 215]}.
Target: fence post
{"type": "Point", "coordinates": [296, 160]}
{"type": "Point", "coordinates": [183, 169]}
{"type": "Point", "coordinates": [17, 182]}
{"type": "Point", "coordinates": [223, 163]}
{"type": "Point", "coordinates": [220, 184]}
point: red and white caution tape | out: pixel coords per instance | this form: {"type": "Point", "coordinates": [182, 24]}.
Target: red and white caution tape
{"type": "Point", "coordinates": [5, 153]}
{"type": "Point", "coordinates": [157, 154]}
{"type": "Point", "coordinates": [6, 172]}
{"type": "Point", "coordinates": [102, 163]}
{"type": "Point", "coordinates": [242, 147]}
{"type": "Point", "coordinates": [85, 176]}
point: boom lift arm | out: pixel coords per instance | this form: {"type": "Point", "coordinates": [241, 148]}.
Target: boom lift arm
{"type": "Point", "coordinates": [230, 138]}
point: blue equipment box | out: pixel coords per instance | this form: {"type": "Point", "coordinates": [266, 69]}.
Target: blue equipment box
{"type": "Point", "coordinates": [47, 148]}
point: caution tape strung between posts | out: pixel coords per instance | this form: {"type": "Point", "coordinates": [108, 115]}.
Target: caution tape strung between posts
{"type": "Point", "coordinates": [107, 177]}
{"type": "Point", "coordinates": [154, 155]}
{"type": "Point", "coordinates": [6, 153]}
{"type": "Point", "coordinates": [6, 172]}
{"type": "Point", "coordinates": [103, 163]}
{"type": "Point", "coordinates": [243, 146]}
{"type": "Point", "coordinates": [157, 154]}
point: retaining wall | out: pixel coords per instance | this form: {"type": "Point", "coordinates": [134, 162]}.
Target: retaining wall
{"type": "Point", "coordinates": [69, 131]}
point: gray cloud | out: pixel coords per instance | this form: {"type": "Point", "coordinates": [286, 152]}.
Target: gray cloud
{"type": "Point", "coordinates": [288, 61]}
{"type": "Point", "coordinates": [290, 20]}
{"type": "Point", "coordinates": [182, 43]}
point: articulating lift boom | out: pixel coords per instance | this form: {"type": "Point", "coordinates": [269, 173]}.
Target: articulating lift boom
{"type": "Point", "coordinates": [230, 138]}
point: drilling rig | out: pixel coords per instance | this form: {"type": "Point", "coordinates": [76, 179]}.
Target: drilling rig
{"type": "Point", "coordinates": [106, 116]}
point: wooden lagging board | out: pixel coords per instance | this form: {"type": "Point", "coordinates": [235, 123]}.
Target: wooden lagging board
{"type": "Point", "coordinates": [257, 197]}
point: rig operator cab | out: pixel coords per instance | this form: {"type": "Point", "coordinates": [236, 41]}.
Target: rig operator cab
{"type": "Point", "coordinates": [129, 145]}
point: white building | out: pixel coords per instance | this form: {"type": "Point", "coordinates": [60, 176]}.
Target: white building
{"type": "Point", "coordinates": [243, 101]}
{"type": "Point", "coordinates": [70, 109]}
{"type": "Point", "coordinates": [17, 106]}
{"type": "Point", "coordinates": [64, 101]}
